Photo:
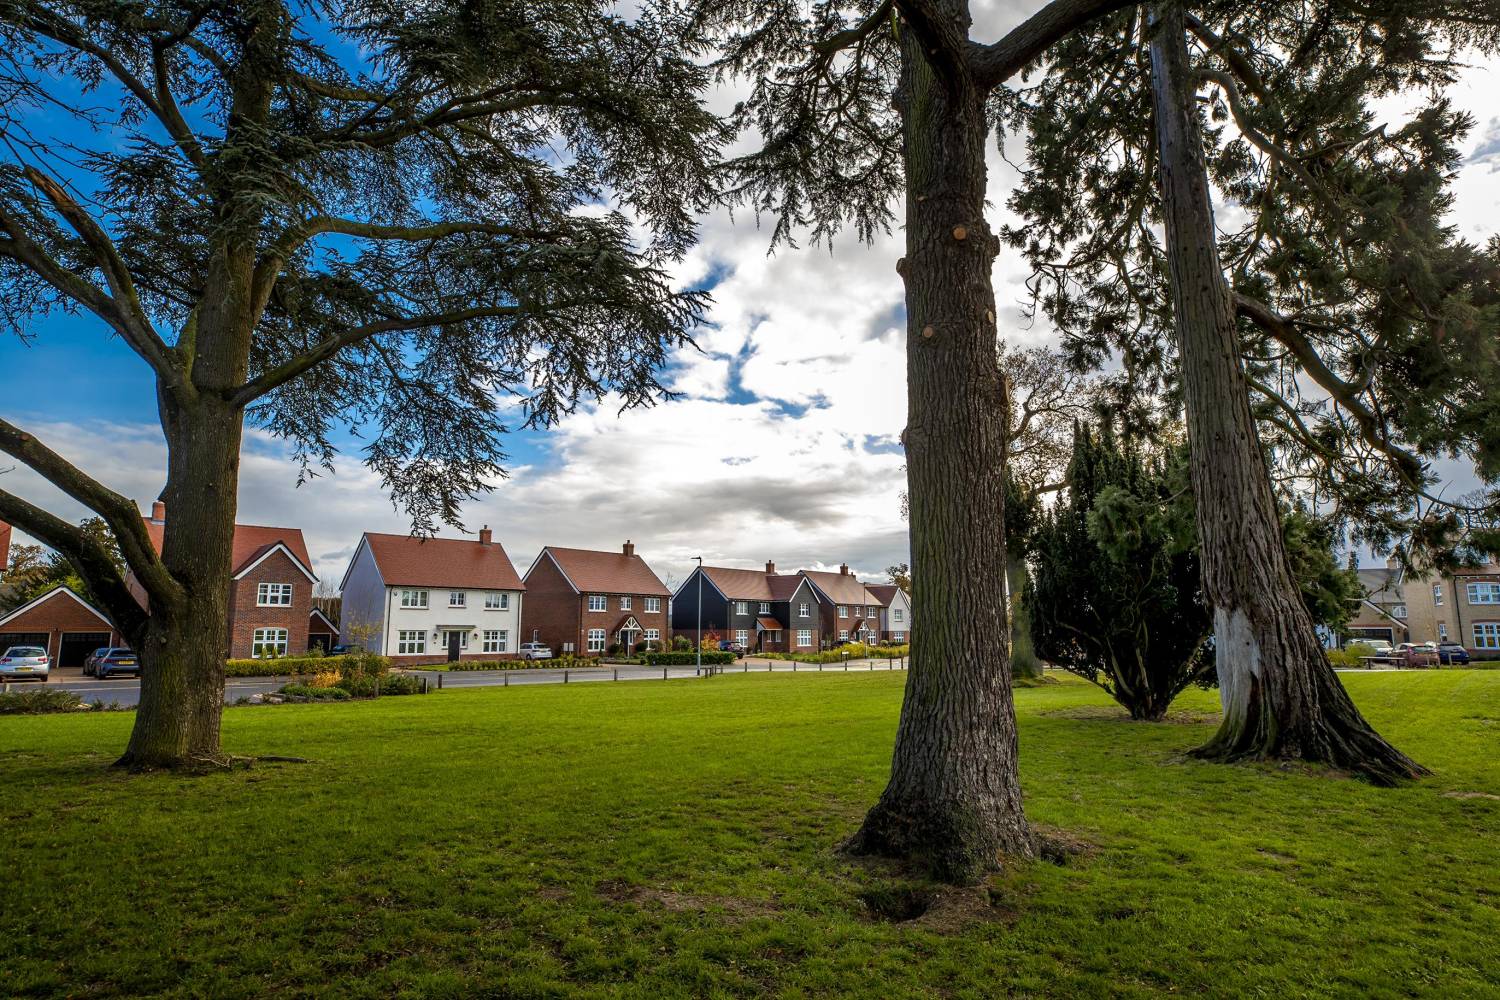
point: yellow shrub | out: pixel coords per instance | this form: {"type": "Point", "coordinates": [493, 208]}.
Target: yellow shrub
{"type": "Point", "coordinates": [326, 679]}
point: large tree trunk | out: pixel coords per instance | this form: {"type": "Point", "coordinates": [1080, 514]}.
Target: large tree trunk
{"type": "Point", "coordinates": [1281, 699]}
{"type": "Point", "coordinates": [954, 798]}
{"type": "Point", "coordinates": [182, 651]}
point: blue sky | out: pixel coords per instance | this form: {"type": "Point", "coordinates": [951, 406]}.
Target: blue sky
{"type": "Point", "coordinates": [784, 445]}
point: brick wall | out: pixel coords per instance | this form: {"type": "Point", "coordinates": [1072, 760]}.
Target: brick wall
{"type": "Point", "coordinates": [245, 616]}
{"type": "Point", "coordinates": [54, 616]}
{"type": "Point", "coordinates": [549, 612]}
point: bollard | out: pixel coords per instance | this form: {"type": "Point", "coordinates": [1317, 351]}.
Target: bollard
{"type": "Point", "coordinates": [794, 666]}
{"type": "Point", "coordinates": [440, 682]}
{"type": "Point", "coordinates": [768, 666]}
{"type": "Point", "coordinates": [424, 685]}
{"type": "Point", "coordinates": [506, 677]}
{"type": "Point", "coordinates": [663, 673]}
{"type": "Point", "coordinates": [617, 673]}
{"type": "Point", "coordinates": [565, 676]}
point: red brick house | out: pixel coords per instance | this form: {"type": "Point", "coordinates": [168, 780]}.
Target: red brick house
{"type": "Point", "coordinates": [585, 601]}
{"type": "Point", "coordinates": [322, 631]}
{"type": "Point", "coordinates": [849, 612]}
{"type": "Point", "coordinates": [61, 622]}
{"type": "Point", "coordinates": [270, 589]}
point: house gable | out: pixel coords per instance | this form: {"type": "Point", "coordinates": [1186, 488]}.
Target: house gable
{"type": "Point", "coordinates": [56, 593]}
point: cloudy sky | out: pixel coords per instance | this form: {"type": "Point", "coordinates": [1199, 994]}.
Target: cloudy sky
{"type": "Point", "coordinates": [783, 446]}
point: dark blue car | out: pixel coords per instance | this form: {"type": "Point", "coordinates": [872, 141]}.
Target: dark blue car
{"type": "Point", "coordinates": [1452, 652]}
{"type": "Point", "coordinates": [118, 661]}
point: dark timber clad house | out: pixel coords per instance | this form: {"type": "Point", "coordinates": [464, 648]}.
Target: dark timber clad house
{"type": "Point", "coordinates": [761, 610]}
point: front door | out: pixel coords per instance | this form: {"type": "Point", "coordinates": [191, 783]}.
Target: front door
{"type": "Point", "coordinates": [453, 639]}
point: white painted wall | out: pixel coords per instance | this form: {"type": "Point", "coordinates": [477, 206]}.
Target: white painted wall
{"type": "Point", "coordinates": [888, 621]}
{"type": "Point", "coordinates": [438, 614]}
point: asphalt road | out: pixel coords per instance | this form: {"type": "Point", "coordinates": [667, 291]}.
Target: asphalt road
{"type": "Point", "coordinates": [127, 690]}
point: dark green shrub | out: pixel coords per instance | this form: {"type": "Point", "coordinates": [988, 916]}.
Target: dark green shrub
{"type": "Point", "coordinates": [395, 684]}
{"type": "Point", "coordinates": [686, 659]}
{"type": "Point", "coordinates": [315, 694]}
{"type": "Point", "coordinates": [39, 702]}
{"type": "Point", "coordinates": [289, 666]}
{"type": "Point", "coordinates": [682, 644]}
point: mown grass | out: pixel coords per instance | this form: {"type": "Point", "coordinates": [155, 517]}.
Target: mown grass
{"type": "Point", "coordinates": [678, 840]}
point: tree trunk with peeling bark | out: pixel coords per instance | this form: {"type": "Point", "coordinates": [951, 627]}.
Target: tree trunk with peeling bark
{"type": "Point", "coordinates": [1280, 697]}
{"type": "Point", "coordinates": [954, 797]}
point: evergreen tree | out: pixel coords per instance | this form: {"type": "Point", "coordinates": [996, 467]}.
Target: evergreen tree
{"type": "Point", "coordinates": [858, 104]}
{"type": "Point", "coordinates": [1116, 592]}
{"type": "Point", "coordinates": [383, 215]}
{"type": "Point", "coordinates": [1343, 278]}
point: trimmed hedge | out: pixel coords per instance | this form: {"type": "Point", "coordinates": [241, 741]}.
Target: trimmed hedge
{"type": "Point", "coordinates": [39, 702]}
{"type": "Point", "coordinates": [686, 659]}
{"type": "Point", "coordinates": [288, 666]}
{"type": "Point", "coordinates": [315, 694]}
{"type": "Point", "coordinates": [556, 663]}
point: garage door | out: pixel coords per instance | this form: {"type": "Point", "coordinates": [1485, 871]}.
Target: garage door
{"type": "Point", "coordinates": [9, 639]}
{"type": "Point", "coordinates": [76, 646]}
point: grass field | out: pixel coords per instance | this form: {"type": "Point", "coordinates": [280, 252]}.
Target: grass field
{"type": "Point", "coordinates": [678, 839]}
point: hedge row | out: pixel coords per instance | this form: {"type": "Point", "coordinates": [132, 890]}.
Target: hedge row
{"type": "Point", "coordinates": [288, 666]}
{"type": "Point", "coordinates": [686, 659]}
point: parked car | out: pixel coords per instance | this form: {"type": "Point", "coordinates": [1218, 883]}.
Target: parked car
{"type": "Point", "coordinates": [118, 660]}
{"type": "Point", "coordinates": [25, 662]}
{"type": "Point", "coordinates": [1415, 654]}
{"type": "Point", "coordinates": [1452, 652]}
{"type": "Point", "coordinates": [730, 646]}
{"type": "Point", "coordinates": [344, 649]}
{"type": "Point", "coordinates": [1381, 646]}
{"type": "Point", "coordinates": [535, 651]}
{"type": "Point", "coordinates": [91, 662]}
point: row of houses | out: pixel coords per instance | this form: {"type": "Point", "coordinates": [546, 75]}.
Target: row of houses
{"type": "Point", "coordinates": [427, 600]}
{"type": "Point", "coordinates": [1461, 607]}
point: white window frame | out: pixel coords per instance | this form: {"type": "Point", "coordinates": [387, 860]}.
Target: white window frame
{"type": "Point", "coordinates": [1487, 635]}
{"type": "Point", "coordinates": [463, 638]}
{"type": "Point", "coordinates": [268, 595]}
{"type": "Point", "coordinates": [843, 611]}
{"type": "Point", "coordinates": [1398, 611]}
{"type": "Point", "coordinates": [595, 642]}
{"type": "Point", "coordinates": [651, 635]}
{"type": "Point", "coordinates": [411, 642]}
{"type": "Point", "coordinates": [653, 605]}
{"type": "Point", "coordinates": [1484, 593]}
{"type": "Point", "coordinates": [497, 600]}
{"type": "Point", "coordinates": [802, 610]}
{"type": "Point", "coordinates": [773, 635]}
{"type": "Point", "coordinates": [765, 607]}
{"type": "Point", "coordinates": [742, 607]}
{"type": "Point", "coordinates": [843, 635]}
{"type": "Point", "coordinates": [414, 599]}
{"type": "Point", "coordinates": [804, 638]}
{"type": "Point", "coordinates": [898, 614]}
{"type": "Point", "coordinates": [898, 637]}
{"type": "Point", "coordinates": [496, 640]}
{"type": "Point", "coordinates": [598, 602]}
{"type": "Point", "coordinates": [276, 638]}
{"type": "Point", "coordinates": [1442, 631]}
{"type": "Point", "coordinates": [458, 598]}
{"type": "Point", "coordinates": [742, 636]}
{"type": "Point", "coordinates": [1437, 594]}
{"type": "Point", "coordinates": [624, 602]}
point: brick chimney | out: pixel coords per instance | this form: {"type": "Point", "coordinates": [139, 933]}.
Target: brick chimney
{"type": "Point", "coordinates": [628, 548]}
{"type": "Point", "coordinates": [770, 568]}
{"type": "Point", "coordinates": [485, 535]}
{"type": "Point", "coordinates": [843, 569]}
{"type": "Point", "coordinates": [159, 511]}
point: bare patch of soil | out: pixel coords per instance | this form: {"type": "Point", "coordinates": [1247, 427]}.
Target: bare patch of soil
{"type": "Point", "coordinates": [1062, 847]}
{"type": "Point", "coordinates": [1110, 713]}
{"type": "Point", "coordinates": [1471, 795]}
{"type": "Point", "coordinates": [683, 902]}
{"type": "Point", "coordinates": [941, 910]}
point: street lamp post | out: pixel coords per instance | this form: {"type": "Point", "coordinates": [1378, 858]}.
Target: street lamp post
{"type": "Point", "coordinates": [698, 646]}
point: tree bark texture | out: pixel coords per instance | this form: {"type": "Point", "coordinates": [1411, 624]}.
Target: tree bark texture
{"type": "Point", "coordinates": [953, 802]}
{"type": "Point", "coordinates": [1280, 697]}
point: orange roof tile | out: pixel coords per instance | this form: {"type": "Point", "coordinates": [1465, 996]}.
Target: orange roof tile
{"type": "Point", "coordinates": [407, 561]}
{"type": "Point", "coordinates": [607, 572]}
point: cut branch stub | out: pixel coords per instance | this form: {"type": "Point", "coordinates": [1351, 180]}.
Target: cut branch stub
{"type": "Point", "coordinates": [960, 233]}
{"type": "Point", "coordinates": [928, 332]}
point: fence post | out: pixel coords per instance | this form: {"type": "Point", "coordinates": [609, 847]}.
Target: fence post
{"type": "Point", "coordinates": [506, 675]}
{"type": "Point", "coordinates": [663, 673]}
{"type": "Point", "coordinates": [565, 676]}
{"type": "Point", "coordinates": [440, 681]}
{"type": "Point", "coordinates": [617, 673]}
{"type": "Point", "coordinates": [377, 685]}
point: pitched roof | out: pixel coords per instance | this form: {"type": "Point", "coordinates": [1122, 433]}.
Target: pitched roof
{"type": "Point", "coordinates": [740, 584]}
{"type": "Point", "coordinates": [251, 542]}
{"type": "Point", "coordinates": [768, 624]}
{"type": "Point", "coordinates": [606, 572]}
{"type": "Point", "coordinates": [884, 593]}
{"type": "Point", "coordinates": [320, 613]}
{"type": "Point", "coordinates": [61, 590]}
{"type": "Point", "coordinates": [784, 585]}
{"type": "Point", "coordinates": [1381, 584]}
{"type": "Point", "coordinates": [841, 588]}
{"type": "Point", "coordinates": [407, 561]}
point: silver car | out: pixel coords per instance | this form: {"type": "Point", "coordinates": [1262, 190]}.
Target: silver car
{"type": "Point", "coordinates": [535, 651]}
{"type": "Point", "coordinates": [24, 662]}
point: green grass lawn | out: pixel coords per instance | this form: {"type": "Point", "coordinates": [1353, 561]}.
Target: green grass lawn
{"type": "Point", "coordinates": [678, 839]}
